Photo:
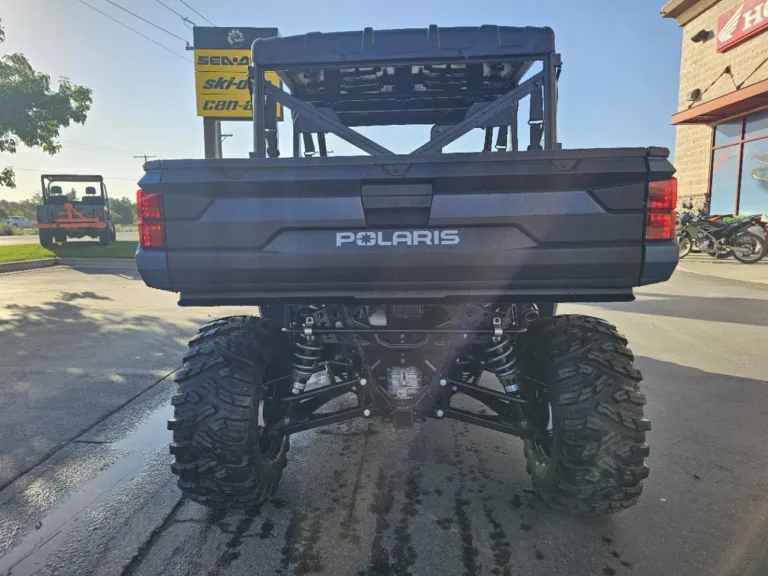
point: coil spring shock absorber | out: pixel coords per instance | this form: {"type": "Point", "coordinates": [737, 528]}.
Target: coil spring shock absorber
{"type": "Point", "coordinates": [501, 359]}
{"type": "Point", "coordinates": [501, 356]}
{"type": "Point", "coordinates": [306, 357]}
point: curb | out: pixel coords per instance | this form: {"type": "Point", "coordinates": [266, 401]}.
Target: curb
{"type": "Point", "coordinates": [121, 263]}
{"type": "Point", "coordinates": [113, 263]}
{"type": "Point", "coordinates": [722, 277]}
{"type": "Point", "coordinates": [27, 265]}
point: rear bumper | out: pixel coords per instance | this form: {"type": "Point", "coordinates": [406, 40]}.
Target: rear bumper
{"type": "Point", "coordinates": [659, 262]}
{"type": "Point", "coordinates": [73, 226]}
{"type": "Point", "coordinates": [153, 268]}
{"type": "Point", "coordinates": [423, 295]}
{"type": "Point", "coordinates": [594, 274]}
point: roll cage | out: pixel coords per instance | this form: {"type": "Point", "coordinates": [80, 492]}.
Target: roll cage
{"type": "Point", "coordinates": [455, 79]}
{"type": "Point", "coordinates": [47, 180]}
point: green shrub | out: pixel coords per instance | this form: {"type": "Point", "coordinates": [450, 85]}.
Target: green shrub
{"type": "Point", "coordinates": [8, 230]}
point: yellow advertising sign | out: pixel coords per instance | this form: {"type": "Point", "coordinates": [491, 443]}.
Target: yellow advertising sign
{"type": "Point", "coordinates": [218, 82]}
{"type": "Point", "coordinates": [222, 60]}
{"type": "Point", "coordinates": [221, 84]}
{"type": "Point", "coordinates": [231, 105]}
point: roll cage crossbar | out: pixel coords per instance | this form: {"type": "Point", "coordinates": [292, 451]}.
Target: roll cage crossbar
{"type": "Point", "coordinates": [452, 89]}
{"type": "Point", "coordinates": [47, 180]}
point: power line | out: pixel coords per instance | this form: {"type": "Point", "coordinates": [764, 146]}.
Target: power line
{"type": "Point", "coordinates": [136, 31]}
{"type": "Point", "coordinates": [280, 128]}
{"type": "Point", "coordinates": [98, 147]}
{"type": "Point", "coordinates": [116, 5]}
{"type": "Point", "coordinates": [59, 171]}
{"type": "Point", "coordinates": [145, 156]}
{"type": "Point", "coordinates": [198, 13]}
{"type": "Point", "coordinates": [184, 18]}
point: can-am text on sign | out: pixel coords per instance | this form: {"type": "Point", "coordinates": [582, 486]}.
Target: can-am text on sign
{"type": "Point", "coordinates": [740, 23]}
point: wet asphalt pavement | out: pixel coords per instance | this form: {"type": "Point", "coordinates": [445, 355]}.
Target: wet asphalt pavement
{"type": "Point", "coordinates": [86, 487]}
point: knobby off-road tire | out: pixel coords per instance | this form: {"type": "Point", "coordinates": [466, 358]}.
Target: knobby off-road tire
{"type": "Point", "coordinates": [46, 238]}
{"type": "Point", "coordinates": [221, 458]}
{"type": "Point", "coordinates": [594, 460]}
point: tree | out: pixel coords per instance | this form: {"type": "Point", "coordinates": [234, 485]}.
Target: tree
{"type": "Point", "coordinates": [31, 113]}
{"type": "Point", "coordinates": [72, 195]}
{"type": "Point", "coordinates": [123, 211]}
{"type": "Point", "coordinates": [24, 208]}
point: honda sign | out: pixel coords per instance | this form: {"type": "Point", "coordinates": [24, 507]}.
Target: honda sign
{"type": "Point", "coordinates": [742, 22]}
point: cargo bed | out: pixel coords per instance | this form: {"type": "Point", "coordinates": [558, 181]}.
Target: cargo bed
{"type": "Point", "coordinates": [557, 225]}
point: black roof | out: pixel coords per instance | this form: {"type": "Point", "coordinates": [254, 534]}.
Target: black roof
{"type": "Point", "coordinates": [72, 178]}
{"type": "Point", "coordinates": [408, 76]}
{"type": "Point", "coordinates": [431, 44]}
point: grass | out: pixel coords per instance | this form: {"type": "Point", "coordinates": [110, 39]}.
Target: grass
{"type": "Point", "coordinates": [92, 249]}
{"type": "Point", "coordinates": [6, 230]}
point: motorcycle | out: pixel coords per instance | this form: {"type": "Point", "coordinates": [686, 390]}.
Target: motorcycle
{"type": "Point", "coordinates": [741, 237]}
{"type": "Point", "coordinates": [760, 228]}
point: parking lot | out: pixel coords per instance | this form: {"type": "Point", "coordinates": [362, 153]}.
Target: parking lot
{"type": "Point", "coordinates": [85, 486]}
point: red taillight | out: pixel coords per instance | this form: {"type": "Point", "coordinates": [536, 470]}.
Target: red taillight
{"type": "Point", "coordinates": [662, 201]}
{"type": "Point", "coordinates": [660, 227]}
{"type": "Point", "coordinates": [149, 206]}
{"type": "Point", "coordinates": [151, 235]}
{"type": "Point", "coordinates": [662, 196]}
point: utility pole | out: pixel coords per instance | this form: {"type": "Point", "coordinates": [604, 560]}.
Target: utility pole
{"type": "Point", "coordinates": [222, 137]}
{"type": "Point", "coordinates": [145, 156]}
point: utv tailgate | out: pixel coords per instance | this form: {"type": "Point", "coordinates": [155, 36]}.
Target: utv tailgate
{"type": "Point", "coordinates": [565, 225]}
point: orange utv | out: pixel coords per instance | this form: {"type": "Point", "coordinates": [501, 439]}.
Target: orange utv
{"type": "Point", "coordinates": [64, 216]}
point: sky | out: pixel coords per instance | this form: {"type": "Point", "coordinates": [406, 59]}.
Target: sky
{"type": "Point", "coordinates": [618, 86]}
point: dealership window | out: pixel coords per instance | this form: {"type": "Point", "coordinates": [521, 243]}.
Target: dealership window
{"type": "Point", "coordinates": [739, 181]}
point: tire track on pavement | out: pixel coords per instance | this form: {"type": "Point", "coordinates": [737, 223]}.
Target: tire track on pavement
{"type": "Point", "coordinates": [350, 521]}
{"type": "Point", "coordinates": [469, 553]}
{"type": "Point", "coordinates": [383, 502]}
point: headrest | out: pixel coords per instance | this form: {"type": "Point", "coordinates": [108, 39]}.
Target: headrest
{"type": "Point", "coordinates": [90, 190]}
{"type": "Point", "coordinates": [55, 189]}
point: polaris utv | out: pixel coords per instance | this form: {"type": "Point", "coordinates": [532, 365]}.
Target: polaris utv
{"type": "Point", "coordinates": [61, 217]}
{"type": "Point", "coordinates": [397, 280]}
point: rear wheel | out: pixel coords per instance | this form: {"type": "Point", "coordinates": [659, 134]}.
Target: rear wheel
{"type": "Point", "coordinates": [685, 246]}
{"type": "Point", "coordinates": [591, 460]}
{"type": "Point", "coordinates": [749, 248]}
{"type": "Point", "coordinates": [105, 237]}
{"type": "Point", "coordinates": [46, 238]}
{"type": "Point", "coordinates": [222, 457]}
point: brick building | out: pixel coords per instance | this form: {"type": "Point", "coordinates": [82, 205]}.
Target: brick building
{"type": "Point", "coordinates": [721, 151]}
